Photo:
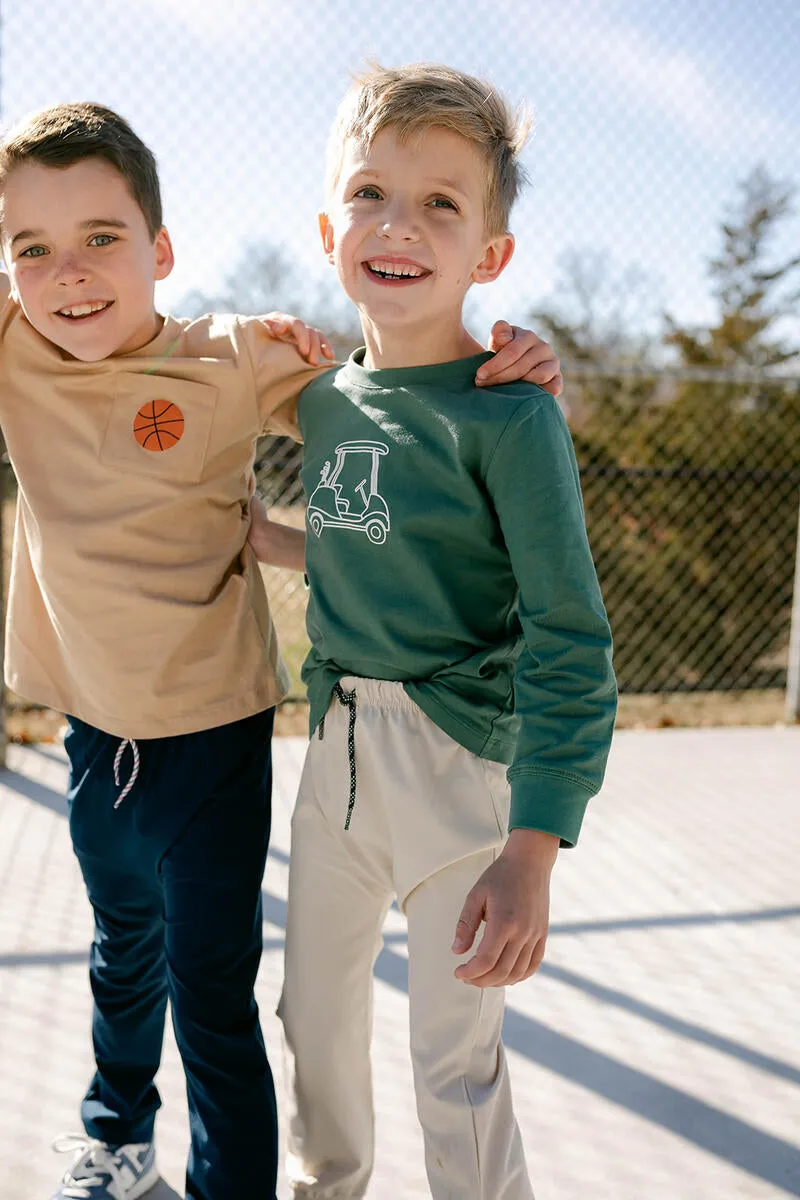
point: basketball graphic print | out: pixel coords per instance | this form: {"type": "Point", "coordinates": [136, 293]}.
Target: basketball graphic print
{"type": "Point", "coordinates": [158, 425]}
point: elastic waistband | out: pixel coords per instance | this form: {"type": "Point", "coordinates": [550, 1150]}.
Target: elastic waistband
{"type": "Point", "coordinates": [378, 693]}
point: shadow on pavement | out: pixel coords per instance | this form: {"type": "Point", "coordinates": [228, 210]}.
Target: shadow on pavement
{"type": "Point", "coordinates": [685, 1029]}
{"type": "Point", "coordinates": [38, 792]}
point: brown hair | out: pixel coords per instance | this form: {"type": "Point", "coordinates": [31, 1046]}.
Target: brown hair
{"type": "Point", "coordinates": [69, 133]}
{"type": "Point", "coordinates": [422, 96]}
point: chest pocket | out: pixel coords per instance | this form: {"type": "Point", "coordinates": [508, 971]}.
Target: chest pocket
{"type": "Point", "coordinates": [160, 427]}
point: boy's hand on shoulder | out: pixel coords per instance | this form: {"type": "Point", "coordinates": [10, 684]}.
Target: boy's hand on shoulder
{"type": "Point", "coordinates": [513, 898]}
{"type": "Point", "coordinates": [520, 354]}
{"type": "Point", "coordinates": [311, 343]}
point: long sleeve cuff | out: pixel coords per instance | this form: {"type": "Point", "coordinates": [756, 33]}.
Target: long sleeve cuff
{"type": "Point", "coordinates": [549, 802]}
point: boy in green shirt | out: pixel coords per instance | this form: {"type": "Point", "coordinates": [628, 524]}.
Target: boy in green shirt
{"type": "Point", "coordinates": [457, 627]}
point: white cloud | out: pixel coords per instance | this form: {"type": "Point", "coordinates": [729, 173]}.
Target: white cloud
{"type": "Point", "coordinates": [223, 22]}
{"type": "Point", "coordinates": [676, 83]}
{"type": "Point", "coordinates": [599, 42]}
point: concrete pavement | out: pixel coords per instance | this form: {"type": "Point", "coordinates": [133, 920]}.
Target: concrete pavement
{"type": "Point", "coordinates": [656, 1056]}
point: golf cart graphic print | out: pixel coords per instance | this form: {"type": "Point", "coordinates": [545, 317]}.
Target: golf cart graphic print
{"type": "Point", "coordinates": [347, 495]}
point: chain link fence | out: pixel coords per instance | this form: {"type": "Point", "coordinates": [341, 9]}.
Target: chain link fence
{"type": "Point", "coordinates": [657, 250]}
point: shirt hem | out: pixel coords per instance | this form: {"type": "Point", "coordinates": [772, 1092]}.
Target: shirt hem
{"type": "Point", "coordinates": [158, 725]}
{"type": "Point", "coordinates": [476, 741]}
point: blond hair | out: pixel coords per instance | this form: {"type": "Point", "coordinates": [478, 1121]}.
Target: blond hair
{"type": "Point", "coordinates": [422, 96]}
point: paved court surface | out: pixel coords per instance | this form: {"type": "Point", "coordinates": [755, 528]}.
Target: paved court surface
{"type": "Point", "coordinates": [656, 1056]}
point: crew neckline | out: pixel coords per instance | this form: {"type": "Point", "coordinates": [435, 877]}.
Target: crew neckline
{"type": "Point", "coordinates": [459, 370]}
{"type": "Point", "coordinates": [160, 346]}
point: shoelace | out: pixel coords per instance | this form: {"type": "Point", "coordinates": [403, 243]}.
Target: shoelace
{"type": "Point", "coordinates": [93, 1166]}
{"type": "Point", "coordinates": [134, 773]}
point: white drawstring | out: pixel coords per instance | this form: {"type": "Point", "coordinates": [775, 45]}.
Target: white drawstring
{"type": "Point", "coordinates": [134, 773]}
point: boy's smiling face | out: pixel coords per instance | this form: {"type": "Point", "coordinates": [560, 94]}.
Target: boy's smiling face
{"type": "Point", "coordinates": [81, 259]}
{"type": "Point", "coordinates": [406, 231]}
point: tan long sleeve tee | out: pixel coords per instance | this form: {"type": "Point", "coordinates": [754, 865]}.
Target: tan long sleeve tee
{"type": "Point", "coordinates": [135, 602]}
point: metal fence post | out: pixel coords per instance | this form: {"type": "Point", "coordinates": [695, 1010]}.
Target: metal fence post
{"type": "Point", "coordinates": [793, 674]}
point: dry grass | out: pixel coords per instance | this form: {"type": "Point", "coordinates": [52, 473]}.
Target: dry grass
{"type": "Point", "coordinates": [701, 709]}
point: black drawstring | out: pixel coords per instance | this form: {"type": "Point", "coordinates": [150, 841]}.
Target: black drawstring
{"type": "Point", "coordinates": [348, 700]}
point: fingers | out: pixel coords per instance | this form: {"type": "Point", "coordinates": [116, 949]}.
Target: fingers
{"type": "Point", "coordinates": [512, 344]}
{"type": "Point", "coordinates": [314, 352]}
{"type": "Point", "coordinates": [503, 959]}
{"type": "Point", "coordinates": [469, 922]}
{"type": "Point", "coordinates": [258, 510]}
{"type": "Point", "coordinates": [311, 343]}
{"type": "Point", "coordinates": [501, 334]}
{"type": "Point", "coordinates": [535, 960]}
{"type": "Point", "coordinates": [492, 963]}
{"type": "Point", "coordinates": [279, 325]}
{"type": "Point", "coordinates": [524, 356]}
{"type": "Point", "coordinates": [547, 374]}
{"type": "Point", "coordinates": [289, 329]}
{"type": "Point", "coordinates": [318, 346]}
{"type": "Point", "coordinates": [302, 338]}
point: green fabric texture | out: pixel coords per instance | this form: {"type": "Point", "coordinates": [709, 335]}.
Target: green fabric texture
{"type": "Point", "coordinates": [446, 549]}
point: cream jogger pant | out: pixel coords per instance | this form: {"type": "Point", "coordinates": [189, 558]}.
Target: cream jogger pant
{"type": "Point", "coordinates": [428, 819]}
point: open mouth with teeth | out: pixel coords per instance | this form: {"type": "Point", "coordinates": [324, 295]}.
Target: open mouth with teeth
{"type": "Point", "coordinates": [83, 312]}
{"type": "Point", "coordinates": [386, 271]}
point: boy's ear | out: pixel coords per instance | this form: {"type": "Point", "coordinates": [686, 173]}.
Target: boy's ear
{"type": "Point", "coordinates": [165, 256]}
{"type": "Point", "coordinates": [495, 260]}
{"type": "Point", "coordinates": [326, 233]}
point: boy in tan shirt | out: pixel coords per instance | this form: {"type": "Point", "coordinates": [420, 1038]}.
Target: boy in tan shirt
{"type": "Point", "coordinates": [136, 608]}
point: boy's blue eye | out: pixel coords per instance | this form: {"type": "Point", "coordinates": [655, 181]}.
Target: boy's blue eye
{"type": "Point", "coordinates": [102, 239]}
{"type": "Point", "coordinates": [368, 193]}
{"type": "Point", "coordinates": [443, 202]}
{"type": "Point", "coordinates": [33, 252]}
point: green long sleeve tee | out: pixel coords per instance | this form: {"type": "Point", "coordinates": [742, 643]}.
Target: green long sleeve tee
{"type": "Point", "coordinates": [446, 549]}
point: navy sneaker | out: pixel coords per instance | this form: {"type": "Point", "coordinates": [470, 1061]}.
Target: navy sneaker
{"type": "Point", "coordinates": [99, 1173]}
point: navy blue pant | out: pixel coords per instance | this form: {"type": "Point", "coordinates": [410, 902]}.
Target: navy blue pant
{"type": "Point", "coordinates": [174, 877]}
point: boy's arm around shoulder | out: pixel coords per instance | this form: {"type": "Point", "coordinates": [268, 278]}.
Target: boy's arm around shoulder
{"type": "Point", "coordinates": [274, 543]}
{"type": "Point", "coordinates": [279, 376]}
{"type": "Point", "coordinates": [565, 692]}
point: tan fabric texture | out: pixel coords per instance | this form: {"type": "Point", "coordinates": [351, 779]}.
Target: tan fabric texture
{"type": "Point", "coordinates": [427, 821]}
{"type": "Point", "coordinates": [135, 602]}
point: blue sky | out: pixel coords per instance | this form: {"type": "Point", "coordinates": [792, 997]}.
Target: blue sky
{"type": "Point", "coordinates": [647, 113]}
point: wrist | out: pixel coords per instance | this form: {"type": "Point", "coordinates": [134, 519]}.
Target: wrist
{"type": "Point", "coordinates": [260, 542]}
{"type": "Point", "coordinates": [533, 846]}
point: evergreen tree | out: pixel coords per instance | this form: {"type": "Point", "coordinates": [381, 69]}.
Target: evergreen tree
{"type": "Point", "coordinates": [753, 293]}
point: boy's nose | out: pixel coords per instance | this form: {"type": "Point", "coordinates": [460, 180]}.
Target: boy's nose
{"type": "Point", "coordinates": [398, 224]}
{"type": "Point", "coordinates": [70, 271]}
